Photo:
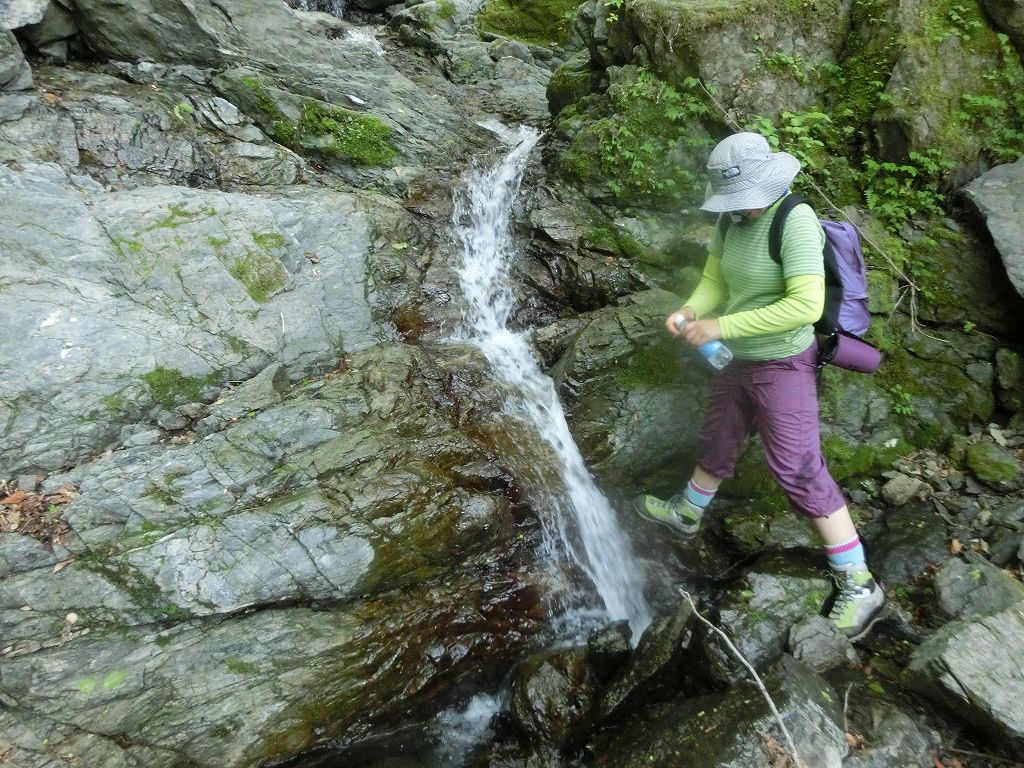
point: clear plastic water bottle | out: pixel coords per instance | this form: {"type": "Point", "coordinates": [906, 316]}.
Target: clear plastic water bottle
{"type": "Point", "coordinates": [715, 352]}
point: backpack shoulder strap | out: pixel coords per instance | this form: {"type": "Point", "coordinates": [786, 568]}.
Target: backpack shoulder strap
{"type": "Point", "coordinates": [790, 202]}
{"type": "Point", "coordinates": [723, 224]}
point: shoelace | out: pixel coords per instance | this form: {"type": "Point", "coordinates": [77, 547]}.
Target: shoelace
{"type": "Point", "coordinates": [847, 592]}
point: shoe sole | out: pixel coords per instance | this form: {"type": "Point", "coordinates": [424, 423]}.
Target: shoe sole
{"type": "Point", "coordinates": [877, 616]}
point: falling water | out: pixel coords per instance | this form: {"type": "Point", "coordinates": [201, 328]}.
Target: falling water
{"type": "Point", "coordinates": [333, 7]}
{"type": "Point", "coordinates": [580, 527]}
{"type": "Point", "coordinates": [366, 40]}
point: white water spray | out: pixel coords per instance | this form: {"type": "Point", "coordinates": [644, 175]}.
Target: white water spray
{"type": "Point", "coordinates": [365, 39]}
{"type": "Point", "coordinates": [579, 524]}
{"type": "Point", "coordinates": [335, 7]}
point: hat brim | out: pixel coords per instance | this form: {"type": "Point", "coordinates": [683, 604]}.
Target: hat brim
{"type": "Point", "coordinates": [772, 185]}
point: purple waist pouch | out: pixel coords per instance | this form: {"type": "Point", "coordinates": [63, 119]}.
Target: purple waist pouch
{"type": "Point", "coordinates": [845, 351]}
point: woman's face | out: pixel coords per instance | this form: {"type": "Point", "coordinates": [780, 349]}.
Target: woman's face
{"type": "Point", "coordinates": [749, 214]}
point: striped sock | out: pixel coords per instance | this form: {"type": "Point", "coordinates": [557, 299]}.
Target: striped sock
{"type": "Point", "coordinates": [697, 497]}
{"type": "Point", "coordinates": [846, 555]}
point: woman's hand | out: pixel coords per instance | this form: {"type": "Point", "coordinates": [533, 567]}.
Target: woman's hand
{"type": "Point", "coordinates": [701, 332]}
{"type": "Point", "coordinates": [672, 321]}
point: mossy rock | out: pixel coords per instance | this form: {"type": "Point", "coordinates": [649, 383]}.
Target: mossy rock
{"type": "Point", "coordinates": [537, 22]}
{"type": "Point", "coordinates": [571, 81]}
{"type": "Point", "coordinates": [955, 88]}
{"type": "Point", "coordinates": [993, 464]}
{"type": "Point", "coordinates": [311, 127]}
{"type": "Point", "coordinates": [643, 144]}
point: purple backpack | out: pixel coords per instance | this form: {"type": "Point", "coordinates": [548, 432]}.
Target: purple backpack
{"type": "Point", "coordinates": [846, 317]}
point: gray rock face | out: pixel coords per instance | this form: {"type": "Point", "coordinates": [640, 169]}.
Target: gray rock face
{"type": "Point", "coordinates": [819, 644]}
{"type": "Point", "coordinates": [759, 612]}
{"type": "Point", "coordinates": [15, 73]}
{"type": "Point", "coordinates": [191, 567]}
{"type": "Point", "coordinates": [975, 587]}
{"type": "Point", "coordinates": [734, 729]}
{"type": "Point", "coordinates": [996, 195]}
{"type": "Point", "coordinates": [19, 13]}
{"type": "Point", "coordinates": [111, 314]}
{"type": "Point", "coordinates": [1008, 16]}
{"type": "Point", "coordinates": [974, 668]}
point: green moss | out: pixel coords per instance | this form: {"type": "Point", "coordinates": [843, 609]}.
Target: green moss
{"type": "Point", "coordinates": [114, 403]}
{"type": "Point", "coordinates": [178, 215]}
{"type": "Point", "coordinates": [644, 144]}
{"type": "Point", "coordinates": [168, 386]}
{"type": "Point", "coordinates": [848, 460]}
{"type": "Point", "coordinates": [656, 365]}
{"type": "Point", "coordinates": [538, 22]}
{"type": "Point", "coordinates": [991, 462]}
{"type": "Point", "coordinates": [269, 240]}
{"type": "Point", "coordinates": [344, 135]}
{"type": "Point", "coordinates": [446, 10]}
{"type": "Point", "coordinates": [330, 132]}
{"type": "Point", "coordinates": [239, 667]}
{"type": "Point", "coordinates": [123, 247]}
{"type": "Point", "coordinates": [218, 242]}
{"type": "Point", "coordinates": [262, 275]}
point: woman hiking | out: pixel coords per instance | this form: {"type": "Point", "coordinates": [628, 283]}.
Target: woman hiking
{"type": "Point", "coordinates": [766, 315]}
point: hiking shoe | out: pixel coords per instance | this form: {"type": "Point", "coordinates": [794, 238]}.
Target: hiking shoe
{"type": "Point", "coordinates": [859, 602]}
{"type": "Point", "coordinates": [675, 513]}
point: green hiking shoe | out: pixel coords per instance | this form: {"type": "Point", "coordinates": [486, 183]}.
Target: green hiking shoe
{"type": "Point", "coordinates": [859, 602]}
{"type": "Point", "coordinates": [674, 513]}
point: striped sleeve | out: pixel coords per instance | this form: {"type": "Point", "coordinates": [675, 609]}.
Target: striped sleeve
{"type": "Point", "coordinates": [803, 240]}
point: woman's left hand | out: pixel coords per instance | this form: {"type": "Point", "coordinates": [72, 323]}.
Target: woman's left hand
{"type": "Point", "coordinates": [701, 332]}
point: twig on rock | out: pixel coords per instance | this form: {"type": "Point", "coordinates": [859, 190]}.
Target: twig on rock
{"type": "Point", "coordinates": [757, 678]}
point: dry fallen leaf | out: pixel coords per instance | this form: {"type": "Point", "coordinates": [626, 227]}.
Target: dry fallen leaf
{"type": "Point", "coordinates": [63, 564]}
{"type": "Point", "coordinates": [956, 546]}
{"type": "Point", "coordinates": [15, 498]}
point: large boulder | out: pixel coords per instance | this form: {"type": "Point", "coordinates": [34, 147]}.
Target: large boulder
{"type": "Point", "coordinates": [15, 72]}
{"type": "Point", "coordinates": [1008, 15]}
{"type": "Point", "coordinates": [996, 195]}
{"type": "Point", "coordinates": [128, 301]}
{"type": "Point", "coordinates": [219, 601]}
{"type": "Point", "coordinates": [735, 728]}
{"type": "Point", "coordinates": [758, 613]}
{"type": "Point", "coordinates": [973, 666]}
{"type": "Point", "coordinates": [771, 62]}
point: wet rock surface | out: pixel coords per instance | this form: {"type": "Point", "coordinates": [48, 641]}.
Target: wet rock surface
{"type": "Point", "coordinates": [254, 501]}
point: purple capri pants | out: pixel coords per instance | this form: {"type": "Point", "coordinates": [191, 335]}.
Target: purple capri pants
{"type": "Point", "coordinates": [780, 398]}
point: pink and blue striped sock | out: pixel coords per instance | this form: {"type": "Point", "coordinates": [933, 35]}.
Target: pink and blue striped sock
{"type": "Point", "coordinates": [698, 497]}
{"type": "Point", "coordinates": [846, 554]}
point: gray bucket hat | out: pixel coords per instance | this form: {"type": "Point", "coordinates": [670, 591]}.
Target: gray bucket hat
{"type": "Point", "coordinates": [745, 174]}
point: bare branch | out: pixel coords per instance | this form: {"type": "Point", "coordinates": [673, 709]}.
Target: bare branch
{"type": "Point", "coordinates": [757, 678]}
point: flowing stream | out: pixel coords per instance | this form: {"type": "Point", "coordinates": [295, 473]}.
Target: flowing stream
{"type": "Point", "coordinates": [580, 528]}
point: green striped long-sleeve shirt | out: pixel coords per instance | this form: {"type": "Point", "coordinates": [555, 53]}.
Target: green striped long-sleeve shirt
{"type": "Point", "coordinates": [768, 309]}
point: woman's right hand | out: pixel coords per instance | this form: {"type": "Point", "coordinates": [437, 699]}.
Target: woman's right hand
{"type": "Point", "coordinates": [672, 321]}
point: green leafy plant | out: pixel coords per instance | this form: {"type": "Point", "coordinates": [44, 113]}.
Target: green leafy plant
{"type": "Point", "coordinates": [897, 191]}
{"type": "Point", "coordinates": [642, 149]}
{"type": "Point", "coordinates": [997, 117]}
{"type": "Point", "coordinates": [902, 402]}
{"type": "Point", "coordinates": [182, 110]}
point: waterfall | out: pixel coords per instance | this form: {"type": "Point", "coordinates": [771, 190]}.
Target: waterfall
{"type": "Point", "coordinates": [334, 7]}
{"type": "Point", "coordinates": [580, 528]}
